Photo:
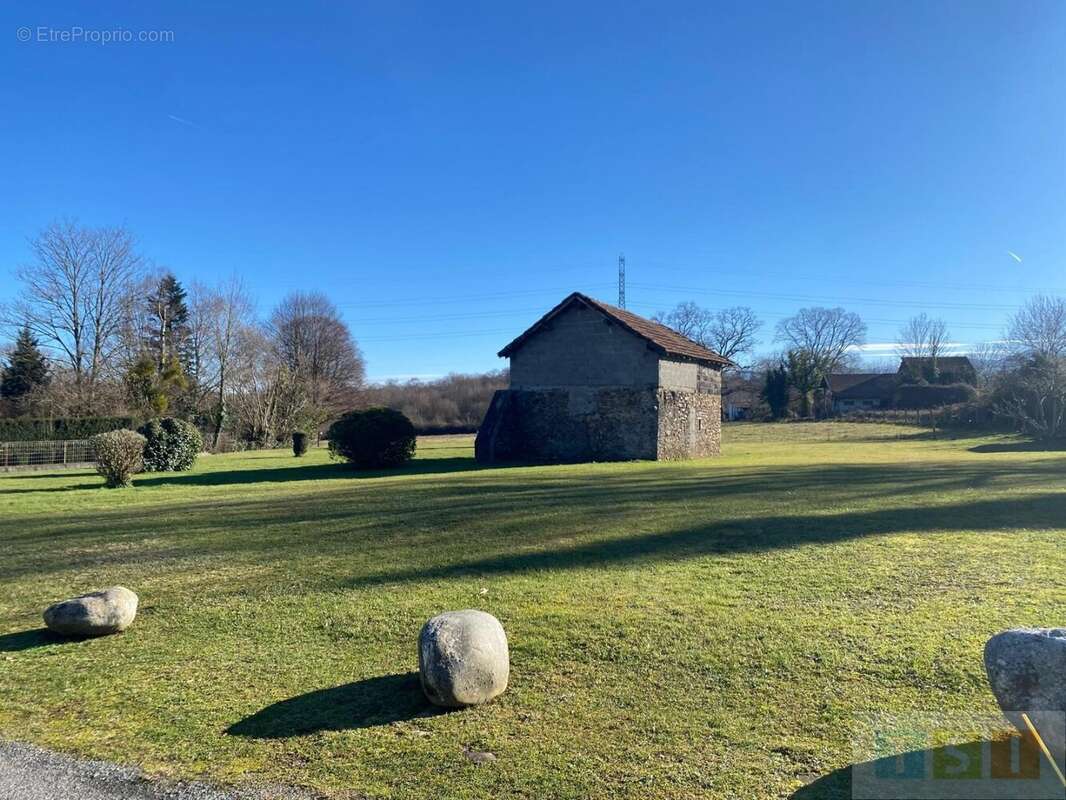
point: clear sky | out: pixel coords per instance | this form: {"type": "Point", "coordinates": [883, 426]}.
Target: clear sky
{"type": "Point", "coordinates": [446, 172]}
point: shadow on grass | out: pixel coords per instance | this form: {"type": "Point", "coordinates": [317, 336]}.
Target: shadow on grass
{"type": "Point", "coordinates": [318, 472]}
{"type": "Point", "coordinates": [1020, 446]}
{"type": "Point", "coordinates": [960, 771]}
{"type": "Point", "coordinates": [297, 472]}
{"type": "Point", "coordinates": [364, 704]}
{"type": "Point", "coordinates": [27, 640]}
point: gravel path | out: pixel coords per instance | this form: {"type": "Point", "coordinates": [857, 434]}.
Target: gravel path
{"type": "Point", "coordinates": [30, 773]}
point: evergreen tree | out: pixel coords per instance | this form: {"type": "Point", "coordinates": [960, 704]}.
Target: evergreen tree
{"type": "Point", "coordinates": [26, 370]}
{"type": "Point", "coordinates": [168, 323]}
{"type": "Point", "coordinates": [775, 391]}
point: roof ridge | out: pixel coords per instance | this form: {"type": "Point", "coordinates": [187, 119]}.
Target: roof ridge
{"type": "Point", "coordinates": [663, 337]}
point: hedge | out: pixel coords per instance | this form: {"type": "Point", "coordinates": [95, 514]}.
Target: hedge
{"type": "Point", "coordinates": [21, 429]}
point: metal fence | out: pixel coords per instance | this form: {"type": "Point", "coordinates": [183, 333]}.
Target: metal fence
{"type": "Point", "coordinates": [14, 455]}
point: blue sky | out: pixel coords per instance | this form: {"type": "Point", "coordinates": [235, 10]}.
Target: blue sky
{"type": "Point", "coordinates": [447, 172]}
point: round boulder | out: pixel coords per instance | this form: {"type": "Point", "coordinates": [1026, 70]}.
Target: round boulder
{"type": "Point", "coordinates": [1027, 672]}
{"type": "Point", "coordinates": [463, 658]}
{"type": "Point", "coordinates": [95, 614]}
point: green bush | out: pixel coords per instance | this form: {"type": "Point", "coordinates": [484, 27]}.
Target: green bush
{"type": "Point", "coordinates": [172, 444]}
{"type": "Point", "coordinates": [299, 443]}
{"type": "Point", "coordinates": [374, 438]}
{"type": "Point", "coordinates": [25, 429]}
{"type": "Point", "coordinates": [927, 395]}
{"type": "Point", "coordinates": [119, 456]}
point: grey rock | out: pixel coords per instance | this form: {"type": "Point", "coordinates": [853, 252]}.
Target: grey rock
{"type": "Point", "coordinates": [479, 756]}
{"type": "Point", "coordinates": [95, 614]}
{"type": "Point", "coordinates": [463, 658]}
{"type": "Point", "coordinates": [1027, 672]}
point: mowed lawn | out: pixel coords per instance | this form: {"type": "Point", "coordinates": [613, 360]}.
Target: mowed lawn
{"type": "Point", "coordinates": [701, 629]}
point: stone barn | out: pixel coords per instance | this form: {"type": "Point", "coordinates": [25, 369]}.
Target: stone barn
{"type": "Point", "coordinates": [592, 382]}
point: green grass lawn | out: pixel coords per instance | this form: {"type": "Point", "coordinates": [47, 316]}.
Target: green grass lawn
{"type": "Point", "coordinates": [702, 629]}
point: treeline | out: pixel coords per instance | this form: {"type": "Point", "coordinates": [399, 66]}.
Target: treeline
{"type": "Point", "coordinates": [454, 404]}
{"type": "Point", "coordinates": [101, 332]}
{"type": "Point", "coordinates": [1018, 383]}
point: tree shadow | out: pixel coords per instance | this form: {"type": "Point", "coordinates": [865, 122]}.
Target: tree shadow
{"type": "Point", "coordinates": [318, 472]}
{"type": "Point", "coordinates": [741, 535]}
{"type": "Point", "coordinates": [364, 704]}
{"type": "Point", "coordinates": [950, 772]}
{"type": "Point", "coordinates": [1021, 446]}
{"type": "Point", "coordinates": [27, 640]}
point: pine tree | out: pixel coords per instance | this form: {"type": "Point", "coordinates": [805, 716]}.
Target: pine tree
{"type": "Point", "coordinates": [26, 370]}
{"type": "Point", "coordinates": [168, 328]}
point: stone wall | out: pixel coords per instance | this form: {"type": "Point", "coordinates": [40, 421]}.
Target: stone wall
{"type": "Point", "coordinates": [570, 425]}
{"type": "Point", "coordinates": [583, 348]}
{"type": "Point", "coordinates": [585, 389]}
{"type": "Point", "coordinates": [689, 425]}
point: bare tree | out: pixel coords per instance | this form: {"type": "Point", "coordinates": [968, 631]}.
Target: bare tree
{"type": "Point", "coordinates": [989, 359]}
{"type": "Point", "coordinates": [688, 319]}
{"type": "Point", "coordinates": [315, 345]}
{"type": "Point", "coordinates": [1039, 327]}
{"type": "Point", "coordinates": [730, 332]}
{"type": "Point", "coordinates": [923, 337]}
{"type": "Point", "coordinates": [827, 334]}
{"type": "Point", "coordinates": [219, 321]}
{"type": "Point", "coordinates": [733, 331]}
{"type": "Point", "coordinates": [74, 298]}
{"type": "Point", "coordinates": [1033, 395]}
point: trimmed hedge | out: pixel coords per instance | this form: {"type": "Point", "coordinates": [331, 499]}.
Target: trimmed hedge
{"type": "Point", "coordinates": [924, 395]}
{"type": "Point", "coordinates": [24, 429]}
{"type": "Point", "coordinates": [172, 444]}
{"type": "Point", "coordinates": [374, 438]}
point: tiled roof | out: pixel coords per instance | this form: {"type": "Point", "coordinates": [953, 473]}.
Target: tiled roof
{"type": "Point", "coordinates": [863, 385]}
{"type": "Point", "coordinates": [666, 340]}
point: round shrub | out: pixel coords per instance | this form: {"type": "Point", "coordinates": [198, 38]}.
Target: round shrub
{"type": "Point", "coordinates": [119, 456]}
{"type": "Point", "coordinates": [374, 438]}
{"type": "Point", "coordinates": [172, 444]}
{"type": "Point", "coordinates": [299, 443]}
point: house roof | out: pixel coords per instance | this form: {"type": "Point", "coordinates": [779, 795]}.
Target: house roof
{"type": "Point", "coordinates": [863, 385]}
{"type": "Point", "coordinates": [943, 363]}
{"type": "Point", "coordinates": [663, 339]}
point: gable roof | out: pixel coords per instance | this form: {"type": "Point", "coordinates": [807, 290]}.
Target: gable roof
{"type": "Point", "coordinates": [863, 385]}
{"type": "Point", "coordinates": [665, 340]}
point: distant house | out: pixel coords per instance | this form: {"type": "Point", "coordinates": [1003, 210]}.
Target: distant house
{"type": "Point", "coordinates": [740, 397]}
{"type": "Point", "coordinates": [868, 390]}
{"type": "Point", "coordinates": [861, 390]}
{"type": "Point", "coordinates": [592, 382]}
{"type": "Point", "coordinates": [944, 370]}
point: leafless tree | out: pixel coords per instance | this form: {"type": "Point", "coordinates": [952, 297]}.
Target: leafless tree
{"type": "Point", "coordinates": [314, 343]}
{"type": "Point", "coordinates": [922, 337]}
{"type": "Point", "coordinates": [1033, 395]}
{"type": "Point", "coordinates": [730, 332]}
{"type": "Point", "coordinates": [989, 359]}
{"type": "Point", "coordinates": [688, 319]}
{"type": "Point", "coordinates": [827, 334]}
{"type": "Point", "coordinates": [74, 297]}
{"type": "Point", "coordinates": [219, 320]}
{"type": "Point", "coordinates": [1039, 327]}
{"type": "Point", "coordinates": [733, 331]}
